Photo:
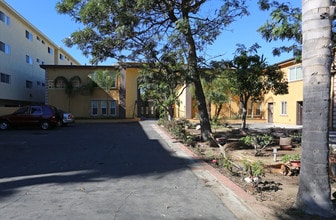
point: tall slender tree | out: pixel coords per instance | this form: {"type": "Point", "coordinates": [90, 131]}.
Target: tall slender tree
{"type": "Point", "coordinates": [314, 194]}
{"type": "Point", "coordinates": [146, 28]}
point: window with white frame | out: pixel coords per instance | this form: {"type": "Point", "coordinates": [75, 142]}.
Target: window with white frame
{"type": "Point", "coordinates": [94, 107]}
{"type": "Point", "coordinates": [4, 48]}
{"type": "Point", "coordinates": [4, 18]}
{"type": "Point", "coordinates": [51, 84]}
{"type": "Point", "coordinates": [29, 35]}
{"type": "Point", "coordinates": [113, 108]}
{"type": "Point", "coordinates": [295, 73]}
{"type": "Point", "coordinates": [103, 107]}
{"type": "Point", "coordinates": [283, 108]}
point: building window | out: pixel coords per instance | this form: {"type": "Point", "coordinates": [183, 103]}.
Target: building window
{"type": "Point", "coordinates": [113, 78]}
{"type": "Point", "coordinates": [5, 78]}
{"type": "Point", "coordinates": [38, 60]}
{"type": "Point", "coordinates": [113, 108]}
{"type": "Point", "coordinates": [29, 84]}
{"type": "Point", "coordinates": [103, 106]}
{"type": "Point", "coordinates": [29, 35]}
{"type": "Point", "coordinates": [94, 108]}
{"type": "Point", "coordinates": [29, 59]}
{"type": "Point", "coordinates": [38, 38]}
{"type": "Point", "coordinates": [38, 83]}
{"type": "Point", "coordinates": [61, 57]}
{"type": "Point", "coordinates": [51, 84]}
{"type": "Point", "coordinates": [254, 109]}
{"type": "Point", "coordinates": [50, 51]}
{"type": "Point", "coordinates": [4, 18]}
{"type": "Point", "coordinates": [283, 110]}
{"type": "Point", "coordinates": [60, 82]}
{"type": "Point", "coordinates": [43, 42]}
{"type": "Point", "coordinates": [295, 73]}
{"type": "Point", "coordinates": [4, 48]}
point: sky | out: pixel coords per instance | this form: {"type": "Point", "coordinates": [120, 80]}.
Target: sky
{"type": "Point", "coordinates": [43, 15]}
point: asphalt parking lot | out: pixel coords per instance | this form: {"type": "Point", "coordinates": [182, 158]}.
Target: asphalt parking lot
{"type": "Point", "coordinates": [100, 171]}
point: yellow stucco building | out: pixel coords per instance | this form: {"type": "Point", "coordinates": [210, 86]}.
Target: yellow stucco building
{"type": "Point", "coordinates": [280, 109]}
{"type": "Point", "coordinates": [72, 89]}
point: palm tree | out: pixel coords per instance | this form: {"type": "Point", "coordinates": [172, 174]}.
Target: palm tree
{"type": "Point", "coordinates": [68, 85]}
{"type": "Point", "coordinates": [314, 188]}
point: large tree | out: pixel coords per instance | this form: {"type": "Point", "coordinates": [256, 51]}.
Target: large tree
{"type": "Point", "coordinates": [314, 195]}
{"type": "Point", "coordinates": [250, 77]}
{"type": "Point", "coordinates": [145, 28]}
{"type": "Point", "coordinates": [160, 81]}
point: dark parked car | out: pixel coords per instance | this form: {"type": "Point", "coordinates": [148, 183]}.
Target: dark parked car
{"type": "Point", "coordinates": [44, 116]}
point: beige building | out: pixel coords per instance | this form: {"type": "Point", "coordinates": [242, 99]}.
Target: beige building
{"type": "Point", "coordinates": [286, 109]}
{"type": "Point", "coordinates": [77, 89]}
{"type": "Point", "coordinates": [23, 48]}
{"type": "Point", "coordinates": [281, 109]}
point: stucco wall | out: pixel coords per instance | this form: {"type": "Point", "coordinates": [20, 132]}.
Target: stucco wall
{"type": "Point", "coordinates": [79, 102]}
{"type": "Point", "coordinates": [131, 85]}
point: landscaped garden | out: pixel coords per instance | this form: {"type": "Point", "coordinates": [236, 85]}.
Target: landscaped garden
{"type": "Point", "coordinates": [263, 162]}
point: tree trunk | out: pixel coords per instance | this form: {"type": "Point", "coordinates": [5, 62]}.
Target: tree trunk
{"type": "Point", "coordinates": [218, 110]}
{"type": "Point", "coordinates": [243, 105]}
{"type": "Point", "coordinates": [195, 77]}
{"type": "Point", "coordinates": [202, 110]}
{"type": "Point", "coordinates": [314, 194]}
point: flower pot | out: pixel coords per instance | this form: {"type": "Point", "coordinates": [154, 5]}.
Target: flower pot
{"type": "Point", "coordinates": [285, 141]}
{"type": "Point", "coordinates": [286, 147]}
{"type": "Point", "coordinates": [295, 163]}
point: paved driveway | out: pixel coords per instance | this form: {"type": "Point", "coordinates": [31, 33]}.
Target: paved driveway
{"type": "Point", "coordinates": [100, 171]}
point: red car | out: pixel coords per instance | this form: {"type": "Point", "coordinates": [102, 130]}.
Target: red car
{"type": "Point", "coordinates": [44, 116]}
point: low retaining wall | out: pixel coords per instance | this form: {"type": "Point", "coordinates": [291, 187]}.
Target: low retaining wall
{"type": "Point", "coordinates": [7, 110]}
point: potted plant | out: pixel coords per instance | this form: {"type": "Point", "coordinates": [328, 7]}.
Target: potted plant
{"type": "Point", "coordinates": [285, 143]}
{"type": "Point", "coordinates": [293, 159]}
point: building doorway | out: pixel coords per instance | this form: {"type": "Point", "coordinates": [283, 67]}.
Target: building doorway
{"type": "Point", "coordinates": [299, 106]}
{"type": "Point", "coordinates": [270, 112]}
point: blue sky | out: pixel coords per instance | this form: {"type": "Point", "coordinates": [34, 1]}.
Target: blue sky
{"type": "Point", "coordinates": [42, 14]}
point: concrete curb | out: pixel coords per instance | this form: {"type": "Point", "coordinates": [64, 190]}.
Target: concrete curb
{"type": "Point", "coordinates": [242, 204]}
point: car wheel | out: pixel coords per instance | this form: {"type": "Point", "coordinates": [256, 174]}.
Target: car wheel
{"type": "Point", "coordinates": [4, 125]}
{"type": "Point", "coordinates": [45, 125]}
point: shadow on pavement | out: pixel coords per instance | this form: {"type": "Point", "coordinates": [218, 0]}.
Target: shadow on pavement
{"type": "Point", "coordinates": [82, 153]}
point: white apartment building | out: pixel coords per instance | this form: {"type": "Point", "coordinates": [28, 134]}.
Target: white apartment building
{"type": "Point", "coordinates": [23, 48]}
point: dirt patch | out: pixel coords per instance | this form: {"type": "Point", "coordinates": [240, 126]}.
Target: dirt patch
{"type": "Point", "coordinates": [276, 189]}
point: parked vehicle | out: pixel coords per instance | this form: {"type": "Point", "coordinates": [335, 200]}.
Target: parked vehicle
{"type": "Point", "coordinates": [44, 116]}
{"type": "Point", "coordinates": [67, 118]}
